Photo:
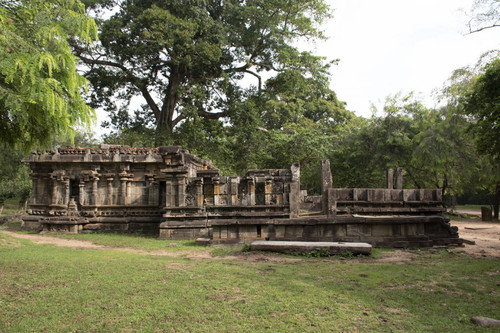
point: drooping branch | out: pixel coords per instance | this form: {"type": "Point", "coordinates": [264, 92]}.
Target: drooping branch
{"type": "Point", "coordinates": [471, 30]}
{"type": "Point", "coordinates": [130, 77]}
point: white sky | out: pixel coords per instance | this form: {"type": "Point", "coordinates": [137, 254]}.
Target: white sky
{"type": "Point", "coordinates": [387, 46]}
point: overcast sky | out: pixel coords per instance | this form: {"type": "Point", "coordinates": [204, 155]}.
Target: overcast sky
{"type": "Point", "coordinates": [387, 46]}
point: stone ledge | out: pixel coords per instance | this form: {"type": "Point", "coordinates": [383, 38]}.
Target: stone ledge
{"type": "Point", "coordinates": [304, 247]}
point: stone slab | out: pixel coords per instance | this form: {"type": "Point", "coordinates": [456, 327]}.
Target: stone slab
{"type": "Point", "coordinates": [303, 247]}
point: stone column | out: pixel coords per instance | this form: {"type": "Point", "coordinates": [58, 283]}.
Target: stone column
{"type": "Point", "coordinates": [199, 192]}
{"type": "Point", "coordinates": [390, 179]}
{"type": "Point", "coordinates": [169, 193]}
{"type": "Point", "coordinates": [151, 190]}
{"type": "Point", "coordinates": [216, 184]}
{"type": "Point", "coordinates": [326, 185]}
{"type": "Point", "coordinates": [81, 192]}
{"type": "Point", "coordinates": [66, 191]}
{"type": "Point", "coordinates": [251, 191]}
{"type": "Point", "coordinates": [399, 178]}
{"type": "Point", "coordinates": [123, 191]}
{"type": "Point", "coordinates": [268, 190]}
{"type": "Point", "coordinates": [94, 191]}
{"type": "Point", "coordinates": [55, 194]}
{"type": "Point", "coordinates": [109, 194]}
{"type": "Point", "coordinates": [127, 193]}
{"type": "Point", "coordinates": [181, 190]}
{"type": "Point", "coordinates": [233, 191]}
{"type": "Point", "coordinates": [34, 193]}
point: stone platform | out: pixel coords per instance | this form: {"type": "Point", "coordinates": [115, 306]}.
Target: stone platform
{"type": "Point", "coordinates": [304, 247]}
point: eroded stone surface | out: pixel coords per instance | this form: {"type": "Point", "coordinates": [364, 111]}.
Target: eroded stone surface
{"type": "Point", "coordinates": [305, 247]}
{"type": "Point", "coordinates": [176, 195]}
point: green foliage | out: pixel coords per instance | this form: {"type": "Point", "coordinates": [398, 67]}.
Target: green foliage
{"type": "Point", "coordinates": [39, 85]}
{"type": "Point", "coordinates": [190, 61]}
{"type": "Point", "coordinates": [482, 102]}
{"type": "Point", "coordinates": [15, 181]}
{"type": "Point", "coordinates": [432, 145]}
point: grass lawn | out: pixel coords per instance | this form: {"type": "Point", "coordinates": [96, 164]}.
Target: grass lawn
{"type": "Point", "coordinates": [476, 208]}
{"type": "Point", "coordinates": [136, 241]}
{"type": "Point", "coordinates": [56, 289]}
{"type": "Point", "coordinates": [11, 207]}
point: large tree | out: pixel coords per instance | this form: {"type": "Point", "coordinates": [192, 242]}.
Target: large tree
{"type": "Point", "coordinates": [187, 59]}
{"type": "Point", "coordinates": [39, 85]}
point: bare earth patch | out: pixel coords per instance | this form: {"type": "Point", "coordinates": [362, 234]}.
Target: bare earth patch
{"type": "Point", "coordinates": [486, 235]}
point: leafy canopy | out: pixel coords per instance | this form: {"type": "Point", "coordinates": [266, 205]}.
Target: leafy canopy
{"type": "Point", "coordinates": [39, 85]}
{"type": "Point", "coordinates": [190, 59]}
{"type": "Point", "coordinates": [482, 102]}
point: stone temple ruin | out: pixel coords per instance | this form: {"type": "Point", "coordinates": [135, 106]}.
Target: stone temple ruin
{"type": "Point", "coordinates": [176, 195]}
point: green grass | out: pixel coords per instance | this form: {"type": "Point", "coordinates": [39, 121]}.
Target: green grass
{"type": "Point", "coordinates": [136, 241]}
{"type": "Point", "coordinates": [54, 289]}
{"type": "Point", "coordinates": [12, 224]}
{"type": "Point", "coordinates": [11, 207]}
{"type": "Point", "coordinates": [476, 208]}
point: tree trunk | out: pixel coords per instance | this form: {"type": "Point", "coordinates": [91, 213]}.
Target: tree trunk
{"type": "Point", "coordinates": [170, 101]}
{"type": "Point", "coordinates": [497, 201]}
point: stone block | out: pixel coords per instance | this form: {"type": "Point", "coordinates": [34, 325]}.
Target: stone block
{"type": "Point", "coordinates": [381, 230]}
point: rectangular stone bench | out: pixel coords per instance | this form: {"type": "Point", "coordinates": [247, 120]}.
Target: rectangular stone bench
{"type": "Point", "coordinates": [304, 247]}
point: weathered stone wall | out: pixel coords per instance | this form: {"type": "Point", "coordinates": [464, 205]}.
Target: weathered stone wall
{"type": "Point", "coordinates": [119, 188]}
{"type": "Point", "coordinates": [176, 195]}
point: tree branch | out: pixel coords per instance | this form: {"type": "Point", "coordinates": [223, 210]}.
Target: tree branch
{"type": "Point", "coordinates": [471, 31]}
{"type": "Point", "coordinates": [130, 77]}
{"type": "Point", "coordinates": [209, 115]}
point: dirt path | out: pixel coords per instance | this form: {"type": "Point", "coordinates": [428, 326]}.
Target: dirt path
{"type": "Point", "coordinates": [485, 235]}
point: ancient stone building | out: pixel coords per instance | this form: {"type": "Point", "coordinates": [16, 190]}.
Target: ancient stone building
{"type": "Point", "coordinates": [176, 195]}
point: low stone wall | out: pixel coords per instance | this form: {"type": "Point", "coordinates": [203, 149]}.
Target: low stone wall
{"type": "Point", "coordinates": [390, 231]}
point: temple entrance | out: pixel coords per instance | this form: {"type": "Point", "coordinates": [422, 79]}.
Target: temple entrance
{"type": "Point", "coordinates": [163, 194]}
{"type": "Point", "coordinates": [74, 190]}
{"type": "Point", "coordinates": [260, 193]}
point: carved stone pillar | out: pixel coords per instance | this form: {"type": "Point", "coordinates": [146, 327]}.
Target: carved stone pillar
{"type": "Point", "coordinates": [109, 194]}
{"type": "Point", "coordinates": [399, 178]}
{"type": "Point", "coordinates": [326, 185]}
{"type": "Point", "coordinates": [390, 179]}
{"type": "Point", "coordinates": [181, 190]}
{"type": "Point", "coordinates": [66, 191]}
{"type": "Point", "coordinates": [233, 191]}
{"type": "Point", "coordinates": [55, 194]}
{"type": "Point", "coordinates": [150, 183]}
{"type": "Point", "coordinates": [81, 193]}
{"type": "Point", "coordinates": [128, 192]}
{"type": "Point", "coordinates": [268, 190]}
{"type": "Point", "coordinates": [94, 191]}
{"type": "Point", "coordinates": [216, 183]}
{"type": "Point", "coordinates": [169, 193]}
{"type": "Point", "coordinates": [123, 191]}
{"type": "Point", "coordinates": [199, 191]}
{"type": "Point", "coordinates": [34, 193]}
{"type": "Point", "coordinates": [251, 191]}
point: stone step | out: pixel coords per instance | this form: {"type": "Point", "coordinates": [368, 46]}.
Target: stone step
{"type": "Point", "coordinates": [304, 247]}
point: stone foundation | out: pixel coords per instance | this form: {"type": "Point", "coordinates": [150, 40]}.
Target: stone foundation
{"type": "Point", "coordinates": [171, 193]}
